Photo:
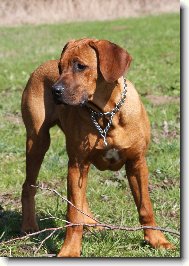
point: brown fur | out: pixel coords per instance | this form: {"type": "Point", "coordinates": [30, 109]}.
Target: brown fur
{"type": "Point", "coordinates": [101, 83]}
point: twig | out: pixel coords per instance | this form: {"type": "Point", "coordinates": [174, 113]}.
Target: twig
{"type": "Point", "coordinates": [65, 199]}
{"type": "Point", "coordinates": [97, 224]}
{"type": "Point", "coordinates": [31, 234]}
{"type": "Point", "coordinates": [108, 226]}
{"type": "Point", "coordinates": [112, 227]}
{"type": "Point", "coordinates": [126, 228]}
{"type": "Point", "coordinates": [42, 242]}
{"type": "Point", "coordinates": [52, 217]}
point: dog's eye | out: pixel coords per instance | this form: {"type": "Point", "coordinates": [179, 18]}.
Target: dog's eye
{"type": "Point", "coordinates": [79, 67]}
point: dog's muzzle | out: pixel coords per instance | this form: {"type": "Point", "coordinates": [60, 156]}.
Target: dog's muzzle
{"type": "Point", "coordinates": [61, 95]}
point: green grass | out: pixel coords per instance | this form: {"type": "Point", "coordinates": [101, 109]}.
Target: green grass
{"type": "Point", "coordinates": [154, 44]}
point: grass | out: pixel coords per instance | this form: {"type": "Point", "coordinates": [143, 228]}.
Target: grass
{"type": "Point", "coordinates": [153, 42]}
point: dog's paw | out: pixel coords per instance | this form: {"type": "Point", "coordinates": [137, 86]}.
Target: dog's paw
{"type": "Point", "coordinates": [28, 228]}
{"type": "Point", "coordinates": [68, 252]}
{"type": "Point", "coordinates": [156, 239]}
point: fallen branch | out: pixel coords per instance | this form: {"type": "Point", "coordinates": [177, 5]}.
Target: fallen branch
{"type": "Point", "coordinates": [112, 227]}
{"type": "Point", "coordinates": [30, 235]}
{"type": "Point", "coordinates": [97, 224]}
{"type": "Point", "coordinates": [65, 199]}
{"type": "Point", "coordinates": [43, 241]}
{"type": "Point", "coordinates": [126, 228]}
{"type": "Point", "coordinates": [107, 226]}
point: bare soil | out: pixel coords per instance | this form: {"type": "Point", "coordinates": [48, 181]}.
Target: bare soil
{"type": "Point", "coordinates": [162, 99]}
{"type": "Point", "coordinates": [13, 12]}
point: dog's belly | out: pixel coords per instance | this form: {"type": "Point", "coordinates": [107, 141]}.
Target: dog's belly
{"type": "Point", "coordinates": [107, 159]}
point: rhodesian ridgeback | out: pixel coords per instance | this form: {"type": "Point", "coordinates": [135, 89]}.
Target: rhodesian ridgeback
{"type": "Point", "coordinates": [104, 122]}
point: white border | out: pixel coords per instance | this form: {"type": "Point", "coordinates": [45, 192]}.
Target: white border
{"type": "Point", "coordinates": [185, 182]}
{"type": "Point", "coordinates": [185, 129]}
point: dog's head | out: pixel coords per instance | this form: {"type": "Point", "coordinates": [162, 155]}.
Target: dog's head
{"type": "Point", "coordinates": [83, 64]}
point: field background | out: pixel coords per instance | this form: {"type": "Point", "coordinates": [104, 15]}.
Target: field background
{"type": "Point", "coordinates": [153, 42]}
{"type": "Point", "coordinates": [13, 12]}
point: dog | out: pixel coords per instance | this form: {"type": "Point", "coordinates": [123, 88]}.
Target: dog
{"type": "Point", "coordinates": [104, 122]}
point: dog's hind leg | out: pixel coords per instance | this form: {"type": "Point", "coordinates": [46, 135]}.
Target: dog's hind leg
{"type": "Point", "coordinates": [36, 115]}
{"type": "Point", "coordinates": [36, 146]}
{"type": "Point", "coordinates": [39, 114]}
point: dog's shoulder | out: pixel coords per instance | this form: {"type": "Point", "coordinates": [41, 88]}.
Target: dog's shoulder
{"type": "Point", "coordinates": [133, 100]}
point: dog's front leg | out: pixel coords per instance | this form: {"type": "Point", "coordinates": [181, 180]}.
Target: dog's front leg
{"type": "Point", "coordinates": [137, 173]}
{"type": "Point", "coordinates": [76, 189]}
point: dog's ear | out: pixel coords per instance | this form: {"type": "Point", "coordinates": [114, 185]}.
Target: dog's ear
{"type": "Point", "coordinates": [114, 61]}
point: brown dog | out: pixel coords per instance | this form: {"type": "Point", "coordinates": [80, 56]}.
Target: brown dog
{"type": "Point", "coordinates": [84, 93]}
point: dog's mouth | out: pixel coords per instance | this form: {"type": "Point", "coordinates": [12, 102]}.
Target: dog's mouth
{"type": "Point", "coordinates": [63, 95]}
{"type": "Point", "coordinates": [69, 99]}
{"type": "Point", "coordinates": [59, 101]}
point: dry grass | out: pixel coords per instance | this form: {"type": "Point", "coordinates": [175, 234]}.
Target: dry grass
{"type": "Point", "coordinates": [13, 12]}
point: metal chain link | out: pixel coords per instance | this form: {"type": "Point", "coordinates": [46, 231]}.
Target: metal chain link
{"type": "Point", "coordinates": [96, 115]}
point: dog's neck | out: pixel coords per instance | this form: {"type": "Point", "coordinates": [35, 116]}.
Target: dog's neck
{"type": "Point", "coordinates": [95, 115]}
{"type": "Point", "coordinates": [111, 95]}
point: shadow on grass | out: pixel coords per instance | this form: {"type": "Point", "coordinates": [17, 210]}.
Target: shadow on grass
{"type": "Point", "coordinates": [10, 225]}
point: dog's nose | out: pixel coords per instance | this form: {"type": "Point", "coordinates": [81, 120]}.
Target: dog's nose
{"type": "Point", "coordinates": [57, 90]}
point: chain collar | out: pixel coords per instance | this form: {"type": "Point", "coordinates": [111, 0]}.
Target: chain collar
{"type": "Point", "coordinates": [109, 115]}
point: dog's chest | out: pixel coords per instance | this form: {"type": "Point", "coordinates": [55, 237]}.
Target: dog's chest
{"type": "Point", "coordinates": [105, 159]}
{"type": "Point", "coordinates": [111, 155]}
